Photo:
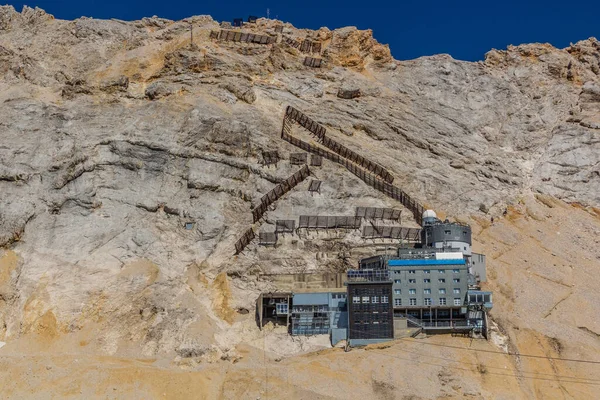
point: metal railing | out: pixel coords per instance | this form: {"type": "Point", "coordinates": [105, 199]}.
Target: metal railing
{"type": "Point", "coordinates": [368, 275]}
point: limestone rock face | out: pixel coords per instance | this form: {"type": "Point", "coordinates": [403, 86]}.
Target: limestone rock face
{"type": "Point", "coordinates": [114, 135]}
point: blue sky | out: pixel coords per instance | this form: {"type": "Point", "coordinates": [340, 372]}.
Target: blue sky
{"type": "Point", "coordinates": [464, 29]}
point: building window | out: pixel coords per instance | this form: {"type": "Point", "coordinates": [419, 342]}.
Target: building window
{"type": "Point", "coordinates": [457, 302]}
{"type": "Point", "coordinates": [374, 299]}
{"type": "Point", "coordinates": [457, 290]}
{"type": "Point", "coordinates": [442, 291]}
{"type": "Point", "coordinates": [397, 302]}
{"type": "Point", "coordinates": [441, 280]}
{"type": "Point", "coordinates": [356, 299]}
{"type": "Point", "coordinates": [442, 301]}
{"type": "Point", "coordinates": [426, 271]}
{"type": "Point", "coordinates": [426, 280]}
{"type": "Point", "coordinates": [447, 232]}
{"type": "Point", "coordinates": [455, 271]}
{"type": "Point", "coordinates": [397, 291]}
{"type": "Point", "coordinates": [411, 271]}
{"type": "Point", "coordinates": [427, 301]}
{"type": "Point", "coordinates": [412, 291]}
{"type": "Point", "coordinates": [282, 308]}
{"type": "Point", "coordinates": [365, 299]}
{"type": "Point", "coordinates": [442, 271]}
{"type": "Point", "coordinates": [397, 281]}
{"type": "Point", "coordinates": [413, 302]}
{"type": "Point", "coordinates": [456, 280]}
{"type": "Point", "coordinates": [412, 281]}
{"type": "Point", "coordinates": [384, 299]}
{"type": "Point", "coordinates": [427, 291]}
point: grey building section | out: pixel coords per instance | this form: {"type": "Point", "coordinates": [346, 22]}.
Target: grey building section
{"type": "Point", "coordinates": [433, 285]}
{"type": "Point", "coordinates": [447, 234]}
{"type": "Point", "coordinates": [319, 313]}
{"type": "Point", "coordinates": [478, 267]}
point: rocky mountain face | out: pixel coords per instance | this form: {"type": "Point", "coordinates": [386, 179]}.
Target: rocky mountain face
{"type": "Point", "coordinates": [115, 134]}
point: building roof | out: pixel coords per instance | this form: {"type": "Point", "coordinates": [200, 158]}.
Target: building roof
{"type": "Point", "coordinates": [307, 299]}
{"type": "Point", "coordinates": [320, 290]}
{"type": "Point", "coordinates": [401, 263]}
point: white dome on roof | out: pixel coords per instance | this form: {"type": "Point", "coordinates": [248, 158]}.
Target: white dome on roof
{"type": "Point", "coordinates": [429, 214]}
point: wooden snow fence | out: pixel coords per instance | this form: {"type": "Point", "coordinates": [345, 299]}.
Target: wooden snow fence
{"type": "Point", "coordinates": [243, 37]}
{"type": "Point", "coordinates": [313, 62]}
{"type": "Point", "coordinates": [370, 179]}
{"type": "Point", "coordinates": [316, 161]}
{"type": "Point", "coordinates": [270, 157]}
{"type": "Point", "coordinates": [391, 232]}
{"type": "Point", "coordinates": [291, 42]}
{"type": "Point", "coordinates": [378, 213]}
{"type": "Point", "coordinates": [305, 46]}
{"type": "Point", "coordinates": [278, 191]}
{"type": "Point", "coordinates": [329, 222]}
{"type": "Point", "coordinates": [319, 131]}
{"type": "Point", "coordinates": [244, 241]}
{"type": "Point", "coordinates": [298, 158]}
{"type": "Point", "coordinates": [285, 226]}
{"type": "Point", "coordinates": [267, 238]}
{"type": "Point", "coordinates": [315, 186]}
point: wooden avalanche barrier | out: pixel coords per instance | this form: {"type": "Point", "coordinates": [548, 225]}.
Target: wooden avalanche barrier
{"type": "Point", "coordinates": [278, 191]}
{"type": "Point", "coordinates": [270, 157]}
{"type": "Point", "coordinates": [239, 36]}
{"type": "Point", "coordinates": [320, 132]}
{"type": "Point", "coordinates": [313, 62]}
{"type": "Point", "coordinates": [372, 179]}
{"type": "Point", "coordinates": [378, 213]}
{"type": "Point", "coordinates": [305, 46]}
{"type": "Point", "coordinates": [242, 242]}
{"type": "Point", "coordinates": [392, 232]}
{"type": "Point", "coordinates": [267, 238]}
{"type": "Point", "coordinates": [329, 222]}
{"type": "Point", "coordinates": [285, 226]}
{"type": "Point", "coordinates": [298, 158]}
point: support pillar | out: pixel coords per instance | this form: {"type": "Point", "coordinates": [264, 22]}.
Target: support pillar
{"type": "Point", "coordinates": [287, 317]}
{"type": "Point", "coordinates": [259, 309]}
